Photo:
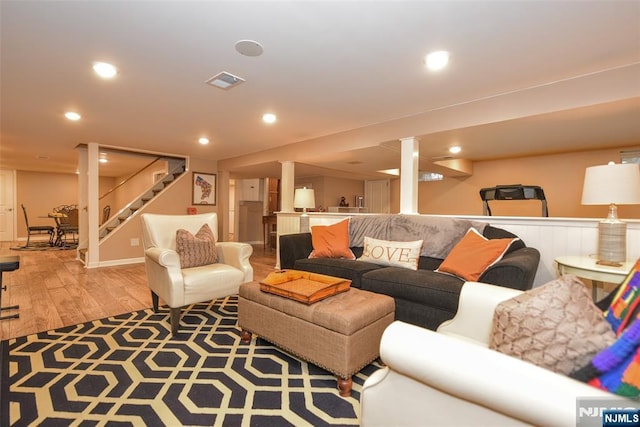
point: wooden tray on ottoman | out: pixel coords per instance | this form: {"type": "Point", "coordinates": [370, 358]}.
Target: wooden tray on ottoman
{"type": "Point", "coordinates": [303, 286]}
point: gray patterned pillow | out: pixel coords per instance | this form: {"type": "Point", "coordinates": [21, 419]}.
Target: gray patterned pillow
{"type": "Point", "coordinates": [196, 250]}
{"type": "Point", "coordinates": [556, 326]}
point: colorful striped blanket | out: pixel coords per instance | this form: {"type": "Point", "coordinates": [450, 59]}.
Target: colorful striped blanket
{"type": "Point", "coordinates": [617, 368]}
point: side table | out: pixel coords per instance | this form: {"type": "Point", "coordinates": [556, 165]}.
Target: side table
{"type": "Point", "coordinates": [587, 268]}
{"type": "Point", "coordinates": [8, 263]}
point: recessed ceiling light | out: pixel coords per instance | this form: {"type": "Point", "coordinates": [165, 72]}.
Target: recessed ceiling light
{"type": "Point", "coordinates": [105, 70]}
{"type": "Point", "coordinates": [455, 149]}
{"type": "Point", "coordinates": [103, 160]}
{"type": "Point", "coordinates": [249, 48]}
{"type": "Point", "coordinates": [394, 172]}
{"type": "Point", "coordinates": [437, 60]}
{"type": "Point", "coordinates": [269, 118]}
{"type": "Point", "coordinates": [203, 140]}
{"type": "Point", "coordinates": [72, 115]}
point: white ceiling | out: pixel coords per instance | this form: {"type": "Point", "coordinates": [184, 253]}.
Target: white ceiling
{"type": "Point", "coordinates": [346, 80]}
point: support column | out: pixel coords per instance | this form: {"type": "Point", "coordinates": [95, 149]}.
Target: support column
{"type": "Point", "coordinates": [89, 208]}
{"type": "Point", "coordinates": [223, 207]}
{"type": "Point", "coordinates": [409, 175]}
{"type": "Point", "coordinates": [287, 185]}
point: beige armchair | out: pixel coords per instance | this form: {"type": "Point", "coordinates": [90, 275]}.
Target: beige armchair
{"type": "Point", "coordinates": [179, 287]}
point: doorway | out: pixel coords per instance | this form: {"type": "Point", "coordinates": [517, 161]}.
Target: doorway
{"type": "Point", "coordinates": [7, 205]}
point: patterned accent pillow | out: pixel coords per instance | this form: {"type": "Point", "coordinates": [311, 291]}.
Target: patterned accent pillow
{"type": "Point", "coordinates": [397, 254]}
{"type": "Point", "coordinates": [556, 326]}
{"type": "Point", "coordinates": [197, 250]}
{"type": "Point", "coordinates": [473, 255]}
{"type": "Point", "coordinates": [331, 241]}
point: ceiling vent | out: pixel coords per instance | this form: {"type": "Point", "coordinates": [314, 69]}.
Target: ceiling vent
{"type": "Point", "coordinates": [630, 156]}
{"type": "Point", "coordinates": [224, 80]}
{"type": "Point", "coordinates": [441, 158]}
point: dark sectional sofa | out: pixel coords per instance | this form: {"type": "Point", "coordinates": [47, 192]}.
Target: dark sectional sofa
{"type": "Point", "coordinates": [423, 297]}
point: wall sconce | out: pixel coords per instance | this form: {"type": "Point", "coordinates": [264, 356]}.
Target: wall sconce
{"type": "Point", "coordinates": [612, 184]}
{"type": "Point", "coordinates": [304, 198]}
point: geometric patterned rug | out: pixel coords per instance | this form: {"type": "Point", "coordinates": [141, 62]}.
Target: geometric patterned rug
{"type": "Point", "coordinates": [129, 370]}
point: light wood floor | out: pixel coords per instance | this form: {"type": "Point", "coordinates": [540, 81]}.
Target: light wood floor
{"type": "Point", "coordinates": [55, 290]}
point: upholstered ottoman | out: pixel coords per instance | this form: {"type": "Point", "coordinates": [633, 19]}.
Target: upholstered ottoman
{"type": "Point", "coordinates": [340, 333]}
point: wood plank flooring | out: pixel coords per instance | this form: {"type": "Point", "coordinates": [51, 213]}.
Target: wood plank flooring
{"type": "Point", "coordinates": [53, 289]}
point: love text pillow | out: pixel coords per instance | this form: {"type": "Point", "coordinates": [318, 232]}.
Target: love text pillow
{"type": "Point", "coordinates": [398, 254]}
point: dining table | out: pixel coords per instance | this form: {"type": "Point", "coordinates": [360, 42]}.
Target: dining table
{"type": "Point", "coordinates": [56, 217]}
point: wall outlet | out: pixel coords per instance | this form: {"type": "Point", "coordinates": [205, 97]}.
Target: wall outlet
{"type": "Point", "coordinates": [135, 242]}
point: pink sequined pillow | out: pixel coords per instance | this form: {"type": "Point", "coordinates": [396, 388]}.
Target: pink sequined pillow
{"type": "Point", "coordinates": [197, 250]}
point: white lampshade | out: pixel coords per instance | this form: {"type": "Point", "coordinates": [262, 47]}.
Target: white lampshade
{"type": "Point", "coordinates": [304, 198]}
{"type": "Point", "coordinates": [612, 184]}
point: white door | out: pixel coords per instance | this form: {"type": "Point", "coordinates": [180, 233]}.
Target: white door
{"type": "Point", "coordinates": [376, 197]}
{"type": "Point", "coordinates": [7, 208]}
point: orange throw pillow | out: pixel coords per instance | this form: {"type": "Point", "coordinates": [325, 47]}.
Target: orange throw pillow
{"type": "Point", "coordinates": [331, 241]}
{"type": "Point", "coordinates": [473, 255]}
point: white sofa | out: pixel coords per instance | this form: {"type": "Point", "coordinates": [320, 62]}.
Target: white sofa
{"type": "Point", "coordinates": [451, 378]}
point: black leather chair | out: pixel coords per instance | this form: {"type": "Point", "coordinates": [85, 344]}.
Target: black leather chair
{"type": "Point", "coordinates": [106, 213]}
{"type": "Point", "coordinates": [37, 229]}
{"type": "Point", "coordinates": [67, 225]}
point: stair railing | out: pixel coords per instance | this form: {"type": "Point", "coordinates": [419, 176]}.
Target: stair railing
{"type": "Point", "coordinates": [130, 177]}
{"type": "Point", "coordinates": [123, 214]}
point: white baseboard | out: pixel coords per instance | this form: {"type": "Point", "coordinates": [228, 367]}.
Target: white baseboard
{"type": "Point", "coordinates": [115, 262]}
{"type": "Point", "coordinates": [39, 238]}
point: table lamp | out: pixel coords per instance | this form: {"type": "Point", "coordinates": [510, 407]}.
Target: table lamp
{"type": "Point", "coordinates": [304, 198]}
{"type": "Point", "coordinates": [612, 184]}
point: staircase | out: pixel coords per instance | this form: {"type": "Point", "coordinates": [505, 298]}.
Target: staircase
{"type": "Point", "coordinates": [177, 169]}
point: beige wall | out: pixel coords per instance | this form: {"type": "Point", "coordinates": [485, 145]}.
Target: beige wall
{"type": "Point", "coordinates": [175, 201]}
{"type": "Point", "coordinates": [329, 190]}
{"type": "Point", "coordinates": [335, 188]}
{"type": "Point", "coordinates": [41, 192]}
{"type": "Point", "coordinates": [560, 176]}
{"type": "Point", "coordinates": [133, 187]}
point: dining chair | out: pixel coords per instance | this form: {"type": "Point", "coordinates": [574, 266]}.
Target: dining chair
{"type": "Point", "coordinates": [67, 225]}
{"type": "Point", "coordinates": [106, 212]}
{"type": "Point", "coordinates": [37, 229]}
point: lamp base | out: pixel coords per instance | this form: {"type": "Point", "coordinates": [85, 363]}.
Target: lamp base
{"type": "Point", "coordinates": [612, 242]}
{"type": "Point", "coordinates": [304, 223]}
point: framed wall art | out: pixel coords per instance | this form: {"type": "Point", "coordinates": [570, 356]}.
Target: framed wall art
{"type": "Point", "coordinates": [204, 188]}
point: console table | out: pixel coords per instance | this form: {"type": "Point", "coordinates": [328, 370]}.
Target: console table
{"type": "Point", "coordinates": [269, 224]}
{"type": "Point", "coordinates": [587, 268]}
{"type": "Point", "coordinates": [8, 263]}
